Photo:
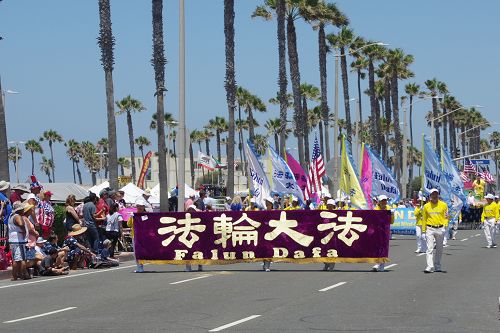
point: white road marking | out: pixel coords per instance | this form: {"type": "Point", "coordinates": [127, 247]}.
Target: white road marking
{"type": "Point", "coordinates": [421, 254]}
{"type": "Point", "coordinates": [477, 235]}
{"type": "Point", "coordinates": [463, 240]}
{"type": "Point", "coordinates": [196, 278]}
{"type": "Point", "coordinates": [334, 286]}
{"type": "Point", "coordinates": [40, 315]}
{"type": "Point", "coordinates": [66, 277]}
{"type": "Point", "coordinates": [391, 265]}
{"type": "Point", "coordinates": [234, 323]}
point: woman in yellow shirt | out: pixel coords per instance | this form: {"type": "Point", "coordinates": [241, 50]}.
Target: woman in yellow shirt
{"type": "Point", "coordinates": [478, 186]}
{"type": "Point", "coordinates": [421, 242]}
{"type": "Point", "coordinates": [295, 204]}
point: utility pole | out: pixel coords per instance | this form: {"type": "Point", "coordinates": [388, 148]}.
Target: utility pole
{"type": "Point", "coordinates": [336, 131]}
{"type": "Point", "coordinates": [182, 108]}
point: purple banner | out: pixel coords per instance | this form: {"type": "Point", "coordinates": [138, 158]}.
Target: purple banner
{"type": "Point", "coordinates": [301, 236]}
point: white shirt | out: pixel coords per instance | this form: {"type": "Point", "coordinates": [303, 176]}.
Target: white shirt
{"type": "Point", "coordinates": [17, 234]}
{"type": "Point", "coordinates": [471, 200]}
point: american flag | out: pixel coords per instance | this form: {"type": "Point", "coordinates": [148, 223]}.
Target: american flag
{"type": "Point", "coordinates": [469, 167]}
{"type": "Point", "coordinates": [464, 177]}
{"type": "Point", "coordinates": [316, 172]}
{"type": "Point", "coordinates": [486, 175]}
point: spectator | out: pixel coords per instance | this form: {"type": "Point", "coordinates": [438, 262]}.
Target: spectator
{"type": "Point", "coordinates": [32, 260]}
{"type": "Point", "coordinates": [7, 210]}
{"type": "Point", "coordinates": [17, 192]}
{"type": "Point", "coordinates": [18, 232]}
{"type": "Point", "coordinates": [236, 204]}
{"type": "Point", "coordinates": [189, 201]}
{"type": "Point", "coordinates": [77, 251]}
{"type": "Point", "coordinates": [48, 265]}
{"type": "Point", "coordinates": [91, 217]}
{"type": "Point", "coordinates": [144, 199]}
{"type": "Point", "coordinates": [46, 214]}
{"type": "Point", "coordinates": [106, 258]}
{"type": "Point", "coordinates": [113, 227]}
{"type": "Point", "coordinates": [102, 208]}
{"type": "Point", "coordinates": [62, 252]}
{"type": "Point", "coordinates": [119, 198]}
{"type": "Point", "coordinates": [277, 201]}
{"type": "Point", "coordinates": [111, 198]}
{"type": "Point", "coordinates": [72, 217]}
{"type": "Point", "coordinates": [191, 209]}
{"type": "Point", "coordinates": [199, 203]}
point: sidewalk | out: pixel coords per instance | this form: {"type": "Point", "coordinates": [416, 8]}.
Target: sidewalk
{"type": "Point", "coordinates": [123, 256]}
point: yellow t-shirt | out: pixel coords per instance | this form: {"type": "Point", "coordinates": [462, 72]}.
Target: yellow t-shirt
{"type": "Point", "coordinates": [434, 214]}
{"type": "Point", "coordinates": [292, 208]}
{"type": "Point", "coordinates": [130, 224]}
{"type": "Point", "coordinates": [249, 209]}
{"type": "Point", "coordinates": [479, 188]}
{"type": "Point", "coordinates": [418, 215]}
{"type": "Point", "coordinates": [489, 211]}
{"type": "Point", "coordinates": [322, 207]}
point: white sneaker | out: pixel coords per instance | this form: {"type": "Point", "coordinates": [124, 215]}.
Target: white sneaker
{"type": "Point", "coordinates": [417, 251]}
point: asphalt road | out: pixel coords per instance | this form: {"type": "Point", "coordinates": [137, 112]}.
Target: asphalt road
{"type": "Point", "coordinates": [290, 298]}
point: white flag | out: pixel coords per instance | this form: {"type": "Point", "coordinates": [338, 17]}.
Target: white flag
{"type": "Point", "coordinates": [258, 180]}
{"type": "Point", "coordinates": [206, 161]}
{"type": "Point", "coordinates": [282, 178]}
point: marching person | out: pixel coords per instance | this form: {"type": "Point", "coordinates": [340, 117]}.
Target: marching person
{"type": "Point", "coordinates": [435, 223]}
{"type": "Point", "coordinates": [141, 208]}
{"type": "Point", "coordinates": [382, 205]}
{"type": "Point", "coordinates": [253, 206]}
{"type": "Point", "coordinates": [479, 186]}
{"type": "Point", "coordinates": [269, 206]}
{"type": "Point", "coordinates": [330, 205]}
{"type": "Point", "coordinates": [421, 242]}
{"type": "Point", "coordinates": [295, 204]}
{"type": "Point", "coordinates": [489, 217]}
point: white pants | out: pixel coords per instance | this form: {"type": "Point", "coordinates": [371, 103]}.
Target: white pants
{"type": "Point", "coordinates": [421, 242]}
{"type": "Point", "coordinates": [489, 230]}
{"type": "Point", "coordinates": [434, 236]}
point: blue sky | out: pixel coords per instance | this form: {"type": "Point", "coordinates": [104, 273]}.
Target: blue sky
{"type": "Point", "coordinates": [50, 55]}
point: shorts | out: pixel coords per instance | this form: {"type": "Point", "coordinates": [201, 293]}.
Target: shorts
{"type": "Point", "coordinates": [18, 252]}
{"type": "Point", "coordinates": [30, 253]}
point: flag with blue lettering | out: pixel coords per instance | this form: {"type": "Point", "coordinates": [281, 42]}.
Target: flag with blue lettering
{"type": "Point", "coordinates": [458, 199]}
{"type": "Point", "coordinates": [259, 185]}
{"type": "Point", "coordinates": [432, 174]}
{"type": "Point", "coordinates": [281, 177]}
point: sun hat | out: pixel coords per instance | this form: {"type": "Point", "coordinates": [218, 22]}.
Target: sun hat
{"type": "Point", "coordinates": [4, 185]}
{"type": "Point", "coordinates": [433, 190]}
{"type": "Point", "coordinates": [76, 230]}
{"type": "Point", "coordinates": [21, 206]}
{"type": "Point", "coordinates": [496, 196]}
{"type": "Point", "coordinates": [40, 240]}
{"type": "Point", "coordinates": [382, 197]}
{"type": "Point", "coordinates": [489, 196]}
{"type": "Point", "coordinates": [330, 202]}
{"type": "Point", "coordinates": [22, 188]}
{"type": "Point", "coordinates": [31, 196]}
{"type": "Point", "coordinates": [193, 207]}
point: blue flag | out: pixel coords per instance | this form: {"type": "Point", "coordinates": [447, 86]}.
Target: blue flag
{"type": "Point", "coordinates": [281, 177]}
{"type": "Point", "coordinates": [458, 199]}
{"type": "Point", "coordinates": [432, 174]}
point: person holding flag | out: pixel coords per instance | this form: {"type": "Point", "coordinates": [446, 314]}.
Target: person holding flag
{"type": "Point", "coordinates": [382, 205]}
{"type": "Point", "coordinates": [489, 218]}
{"type": "Point", "coordinates": [435, 223]}
{"type": "Point", "coordinates": [421, 241]}
{"type": "Point", "coordinates": [479, 185]}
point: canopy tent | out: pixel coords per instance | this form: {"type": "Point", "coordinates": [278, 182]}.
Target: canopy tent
{"type": "Point", "coordinates": [132, 192]}
{"type": "Point", "coordinates": [60, 191]}
{"type": "Point", "coordinates": [98, 188]}
{"type": "Point", "coordinates": [155, 191]}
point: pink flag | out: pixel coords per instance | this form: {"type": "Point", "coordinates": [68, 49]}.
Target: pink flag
{"type": "Point", "coordinates": [366, 176]}
{"type": "Point", "coordinates": [298, 172]}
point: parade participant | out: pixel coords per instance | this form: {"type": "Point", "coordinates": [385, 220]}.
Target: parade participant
{"type": "Point", "coordinates": [140, 205]}
{"type": "Point", "coordinates": [17, 192]}
{"type": "Point", "coordinates": [295, 204]}
{"type": "Point", "coordinates": [435, 222]}
{"type": "Point", "coordinates": [382, 205]}
{"type": "Point", "coordinates": [471, 201]}
{"type": "Point", "coordinates": [236, 204]}
{"type": "Point", "coordinates": [252, 206]}
{"type": "Point", "coordinates": [330, 204]}
{"type": "Point", "coordinates": [71, 214]}
{"type": "Point", "coordinates": [266, 266]}
{"type": "Point", "coordinates": [479, 185]}
{"type": "Point", "coordinates": [277, 201]}
{"type": "Point", "coordinates": [46, 214]}
{"type": "Point", "coordinates": [286, 202]}
{"type": "Point", "coordinates": [421, 242]}
{"type": "Point", "coordinates": [18, 232]}
{"type": "Point", "coordinates": [489, 218]}
{"type": "Point", "coordinates": [322, 205]}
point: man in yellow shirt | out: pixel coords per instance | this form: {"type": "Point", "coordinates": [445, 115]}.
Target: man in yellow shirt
{"type": "Point", "coordinates": [421, 243]}
{"type": "Point", "coordinates": [489, 217]}
{"type": "Point", "coordinates": [434, 224]}
{"type": "Point", "coordinates": [295, 204]}
{"type": "Point", "coordinates": [479, 186]}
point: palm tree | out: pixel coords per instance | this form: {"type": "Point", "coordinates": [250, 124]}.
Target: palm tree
{"type": "Point", "coordinates": [103, 147]}
{"type": "Point", "coordinates": [4, 146]}
{"type": "Point", "coordinates": [193, 137]}
{"type": "Point", "coordinates": [433, 87]}
{"type": "Point", "coordinates": [343, 41]}
{"type": "Point", "coordinates": [230, 86]}
{"type": "Point", "coordinates": [308, 92]}
{"type": "Point", "coordinates": [219, 125]}
{"type": "Point", "coordinates": [495, 141]}
{"type": "Point", "coordinates": [359, 65]}
{"type": "Point", "coordinates": [448, 104]}
{"type": "Point", "coordinates": [14, 156]}
{"type": "Point", "coordinates": [91, 159]}
{"type": "Point", "coordinates": [320, 15]}
{"type": "Point", "coordinates": [316, 119]}
{"type": "Point", "coordinates": [241, 125]}
{"type": "Point", "coordinates": [47, 167]}
{"type": "Point", "coordinates": [158, 62]}
{"type": "Point", "coordinates": [260, 144]}
{"type": "Point", "coordinates": [123, 163]}
{"type": "Point", "coordinates": [106, 43]}
{"type": "Point", "coordinates": [52, 136]}
{"type": "Point", "coordinates": [412, 90]}
{"type": "Point", "coordinates": [33, 147]}
{"type": "Point", "coordinates": [168, 120]}
{"type": "Point", "coordinates": [142, 142]}
{"type": "Point", "coordinates": [250, 103]}
{"type": "Point", "coordinates": [126, 106]}
{"type": "Point", "coordinates": [273, 127]}
{"type": "Point", "coordinates": [74, 153]}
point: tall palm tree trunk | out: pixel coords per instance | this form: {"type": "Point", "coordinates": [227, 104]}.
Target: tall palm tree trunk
{"type": "Point", "coordinates": [159, 69]}
{"type": "Point", "coordinates": [276, 142]}
{"type": "Point", "coordinates": [4, 146]}
{"type": "Point", "coordinates": [359, 97]}
{"type": "Point", "coordinates": [131, 144]}
{"type": "Point", "coordinates": [74, 170]}
{"type": "Point", "coordinates": [321, 138]}
{"type": "Point", "coordinates": [32, 163]}
{"type": "Point", "coordinates": [345, 86]}
{"type": "Point", "coordinates": [445, 130]}
{"type": "Point", "coordinates": [106, 43]}
{"type": "Point", "coordinates": [191, 164]}
{"type": "Point", "coordinates": [293, 59]}
{"type": "Point", "coordinates": [217, 136]}
{"type": "Point", "coordinates": [207, 146]}
{"type": "Point", "coordinates": [52, 159]}
{"type": "Point", "coordinates": [323, 86]}
{"type": "Point", "coordinates": [283, 82]}
{"type": "Point", "coordinates": [397, 130]}
{"type": "Point", "coordinates": [387, 116]}
{"type": "Point", "coordinates": [251, 131]}
{"type": "Point", "coordinates": [410, 171]}
{"type": "Point", "coordinates": [453, 138]}
{"type": "Point", "coordinates": [436, 126]}
{"type": "Point", "coordinates": [79, 173]}
{"type": "Point", "coordinates": [373, 107]}
{"type": "Point", "coordinates": [462, 139]}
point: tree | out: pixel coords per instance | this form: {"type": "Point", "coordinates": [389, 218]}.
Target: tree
{"type": "Point", "coordinates": [343, 41]}
{"type": "Point", "coordinates": [142, 142]}
{"type": "Point", "coordinates": [359, 65]}
{"type": "Point", "coordinates": [219, 125]}
{"type": "Point", "coordinates": [260, 144]}
{"type": "Point", "coordinates": [4, 158]}
{"type": "Point", "coordinates": [207, 136]}
{"type": "Point", "coordinates": [412, 90]}
{"type": "Point", "coordinates": [168, 120]}
{"type": "Point", "coordinates": [193, 137]}
{"type": "Point", "coordinates": [123, 163]}
{"type": "Point", "coordinates": [33, 147]}
{"type": "Point", "coordinates": [273, 127]}
{"type": "Point", "coordinates": [495, 141]}
{"type": "Point", "coordinates": [158, 62]}
{"type": "Point", "coordinates": [52, 137]}
{"type": "Point", "coordinates": [230, 86]}
{"type": "Point", "coordinates": [308, 92]}
{"type": "Point", "coordinates": [106, 43]}
{"type": "Point", "coordinates": [74, 152]}
{"type": "Point", "coordinates": [91, 159]}
{"type": "Point", "coordinates": [15, 155]}
{"type": "Point", "coordinates": [126, 106]}
{"type": "Point", "coordinates": [249, 103]}
{"type": "Point", "coordinates": [241, 125]}
{"type": "Point", "coordinates": [103, 147]}
{"type": "Point", "coordinates": [47, 167]}
{"type": "Point", "coordinates": [433, 87]}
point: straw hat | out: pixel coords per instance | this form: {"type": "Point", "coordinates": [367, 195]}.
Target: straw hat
{"type": "Point", "coordinates": [77, 230]}
{"type": "Point", "coordinates": [22, 188]}
{"type": "Point", "coordinates": [19, 206]}
{"type": "Point", "coordinates": [4, 185]}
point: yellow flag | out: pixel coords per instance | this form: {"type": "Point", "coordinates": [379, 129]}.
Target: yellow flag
{"type": "Point", "coordinates": [349, 181]}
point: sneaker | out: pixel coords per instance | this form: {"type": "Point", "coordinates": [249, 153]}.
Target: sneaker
{"type": "Point", "coordinates": [267, 270]}
{"type": "Point", "coordinates": [488, 247]}
{"type": "Point", "coordinates": [139, 270]}
{"type": "Point", "coordinates": [375, 269]}
{"type": "Point", "coordinates": [427, 271]}
{"type": "Point", "coordinates": [494, 246]}
{"type": "Point", "coordinates": [417, 251]}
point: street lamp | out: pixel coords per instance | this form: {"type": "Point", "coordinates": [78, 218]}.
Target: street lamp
{"type": "Point", "coordinates": [182, 106]}
{"type": "Point", "coordinates": [17, 143]}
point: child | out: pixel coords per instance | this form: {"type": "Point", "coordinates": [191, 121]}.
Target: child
{"type": "Point", "coordinates": [47, 266]}
{"type": "Point", "coordinates": [106, 261]}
